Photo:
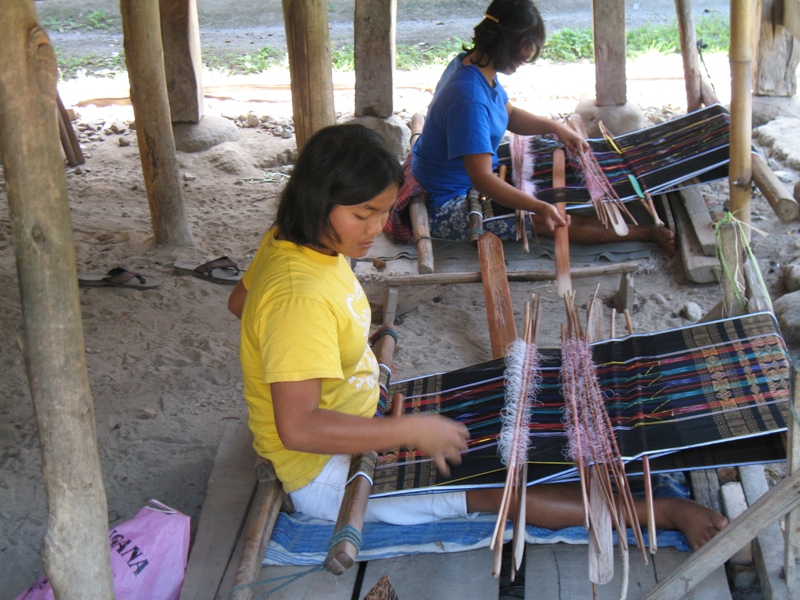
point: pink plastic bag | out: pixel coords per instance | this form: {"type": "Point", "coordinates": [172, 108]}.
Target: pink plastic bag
{"type": "Point", "coordinates": [148, 556]}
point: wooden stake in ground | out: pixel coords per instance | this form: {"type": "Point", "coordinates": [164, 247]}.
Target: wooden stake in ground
{"type": "Point", "coordinates": [75, 550]}
{"type": "Point", "coordinates": [144, 56]}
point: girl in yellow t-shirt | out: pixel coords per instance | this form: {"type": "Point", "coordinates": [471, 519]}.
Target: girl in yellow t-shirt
{"type": "Point", "coordinates": [310, 378]}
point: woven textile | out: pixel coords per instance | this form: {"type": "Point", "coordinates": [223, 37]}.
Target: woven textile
{"type": "Point", "coordinates": [685, 151]}
{"type": "Point", "coordinates": [677, 390]}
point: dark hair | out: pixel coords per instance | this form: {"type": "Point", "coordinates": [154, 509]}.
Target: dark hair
{"type": "Point", "coordinates": [508, 26]}
{"type": "Point", "coordinates": [339, 165]}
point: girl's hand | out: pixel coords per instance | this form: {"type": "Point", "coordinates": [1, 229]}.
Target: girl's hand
{"type": "Point", "coordinates": [570, 138]}
{"type": "Point", "coordinates": [549, 217]}
{"type": "Point", "coordinates": [443, 439]}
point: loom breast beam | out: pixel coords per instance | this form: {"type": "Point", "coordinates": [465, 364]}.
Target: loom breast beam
{"type": "Point", "coordinates": [342, 554]}
{"type": "Point", "coordinates": [561, 234]}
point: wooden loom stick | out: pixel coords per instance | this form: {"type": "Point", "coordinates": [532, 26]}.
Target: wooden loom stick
{"type": "Point", "coordinates": [561, 234]}
{"type": "Point", "coordinates": [342, 554]}
{"type": "Point", "coordinates": [499, 310]}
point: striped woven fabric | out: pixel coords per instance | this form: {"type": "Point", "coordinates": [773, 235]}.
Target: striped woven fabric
{"type": "Point", "coordinates": [690, 149]}
{"type": "Point", "coordinates": [698, 391]}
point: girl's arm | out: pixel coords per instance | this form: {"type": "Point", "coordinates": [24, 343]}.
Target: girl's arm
{"type": "Point", "coordinates": [479, 168]}
{"type": "Point", "coordinates": [524, 123]}
{"type": "Point", "coordinates": [236, 300]}
{"type": "Point", "coordinates": [304, 426]}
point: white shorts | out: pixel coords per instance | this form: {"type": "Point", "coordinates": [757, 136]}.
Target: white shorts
{"type": "Point", "coordinates": [322, 497]}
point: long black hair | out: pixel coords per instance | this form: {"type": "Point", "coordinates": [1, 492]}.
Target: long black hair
{"type": "Point", "coordinates": [507, 27]}
{"type": "Point", "coordinates": [339, 165]}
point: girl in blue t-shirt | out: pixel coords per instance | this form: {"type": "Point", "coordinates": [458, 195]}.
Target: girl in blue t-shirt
{"type": "Point", "coordinates": [467, 119]}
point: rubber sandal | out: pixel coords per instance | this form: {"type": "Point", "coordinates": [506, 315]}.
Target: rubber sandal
{"type": "Point", "coordinates": [219, 270]}
{"type": "Point", "coordinates": [119, 277]}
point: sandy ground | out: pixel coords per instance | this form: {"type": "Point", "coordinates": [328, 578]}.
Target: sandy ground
{"type": "Point", "coordinates": [163, 364]}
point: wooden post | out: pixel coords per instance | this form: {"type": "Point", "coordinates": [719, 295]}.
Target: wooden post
{"type": "Point", "coordinates": [740, 171]}
{"type": "Point", "coordinates": [779, 198]}
{"type": "Point", "coordinates": [308, 43]}
{"type": "Point", "coordinates": [731, 270]}
{"type": "Point", "coordinates": [609, 52]}
{"type": "Point", "coordinates": [374, 32]}
{"type": "Point", "coordinates": [145, 60]}
{"type": "Point", "coordinates": [75, 551]}
{"type": "Point", "coordinates": [183, 62]}
{"type": "Point", "coordinates": [691, 62]}
{"type": "Point", "coordinates": [792, 553]}
{"type": "Point", "coordinates": [775, 73]}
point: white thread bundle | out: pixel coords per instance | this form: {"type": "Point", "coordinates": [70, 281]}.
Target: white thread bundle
{"type": "Point", "coordinates": [523, 377]}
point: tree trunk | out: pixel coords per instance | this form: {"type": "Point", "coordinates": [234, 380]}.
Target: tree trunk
{"type": "Point", "coordinates": [141, 27]}
{"type": "Point", "coordinates": [308, 42]}
{"type": "Point", "coordinates": [75, 551]}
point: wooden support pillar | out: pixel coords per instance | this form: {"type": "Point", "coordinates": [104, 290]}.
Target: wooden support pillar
{"type": "Point", "coordinates": [309, 46]}
{"type": "Point", "coordinates": [740, 170]}
{"type": "Point", "coordinates": [75, 550]}
{"type": "Point", "coordinates": [145, 60]}
{"type": "Point", "coordinates": [374, 29]}
{"type": "Point", "coordinates": [691, 62]}
{"type": "Point", "coordinates": [183, 61]}
{"type": "Point", "coordinates": [609, 52]}
{"type": "Point", "coordinates": [775, 73]}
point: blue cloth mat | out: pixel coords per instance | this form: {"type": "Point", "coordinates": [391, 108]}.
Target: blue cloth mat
{"type": "Point", "coordinates": [298, 539]}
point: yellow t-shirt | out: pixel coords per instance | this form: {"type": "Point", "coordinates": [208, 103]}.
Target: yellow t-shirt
{"type": "Point", "coordinates": [306, 316]}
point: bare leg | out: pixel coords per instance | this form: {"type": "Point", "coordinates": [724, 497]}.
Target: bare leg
{"type": "Point", "coordinates": [587, 230]}
{"type": "Point", "coordinates": [556, 506]}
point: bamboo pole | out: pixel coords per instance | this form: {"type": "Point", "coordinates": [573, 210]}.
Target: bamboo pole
{"type": "Point", "coordinates": [308, 42]}
{"type": "Point", "coordinates": [144, 56]}
{"type": "Point", "coordinates": [741, 60]}
{"type": "Point", "coordinates": [75, 549]}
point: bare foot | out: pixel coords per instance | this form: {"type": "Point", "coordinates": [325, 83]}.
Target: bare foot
{"type": "Point", "coordinates": [696, 522]}
{"type": "Point", "coordinates": [664, 237]}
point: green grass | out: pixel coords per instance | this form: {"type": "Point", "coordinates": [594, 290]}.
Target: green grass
{"type": "Point", "coordinates": [565, 45]}
{"type": "Point", "coordinates": [93, 20]}
{"type": "Point", "coordinates": [570, 45]}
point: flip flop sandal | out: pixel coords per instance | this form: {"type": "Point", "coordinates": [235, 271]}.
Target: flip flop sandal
{"type": "Point", "coordinates": [219, 270]}
{"type": "Point", "coordinates": [119, 277]}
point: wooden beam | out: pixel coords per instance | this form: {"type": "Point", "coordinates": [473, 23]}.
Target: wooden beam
{"type": "Point", "coordinates": [183, 60]}
{"type": "Point", "coordinates": [781, 201]}
{"type": "Point", "coordinates": [144, 57]}
{"type": "Point", "coordinates": [75, 547]}
{"type": "Point", "coordinates": [781, 499]}
{"type": "Point", "coordinates": [539, 275]}
{"type": "Point", "coordinates": [309, 46]}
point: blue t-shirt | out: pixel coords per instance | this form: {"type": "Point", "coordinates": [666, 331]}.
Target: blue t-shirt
{"type": "Point", "coordinates": [466, 116]}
